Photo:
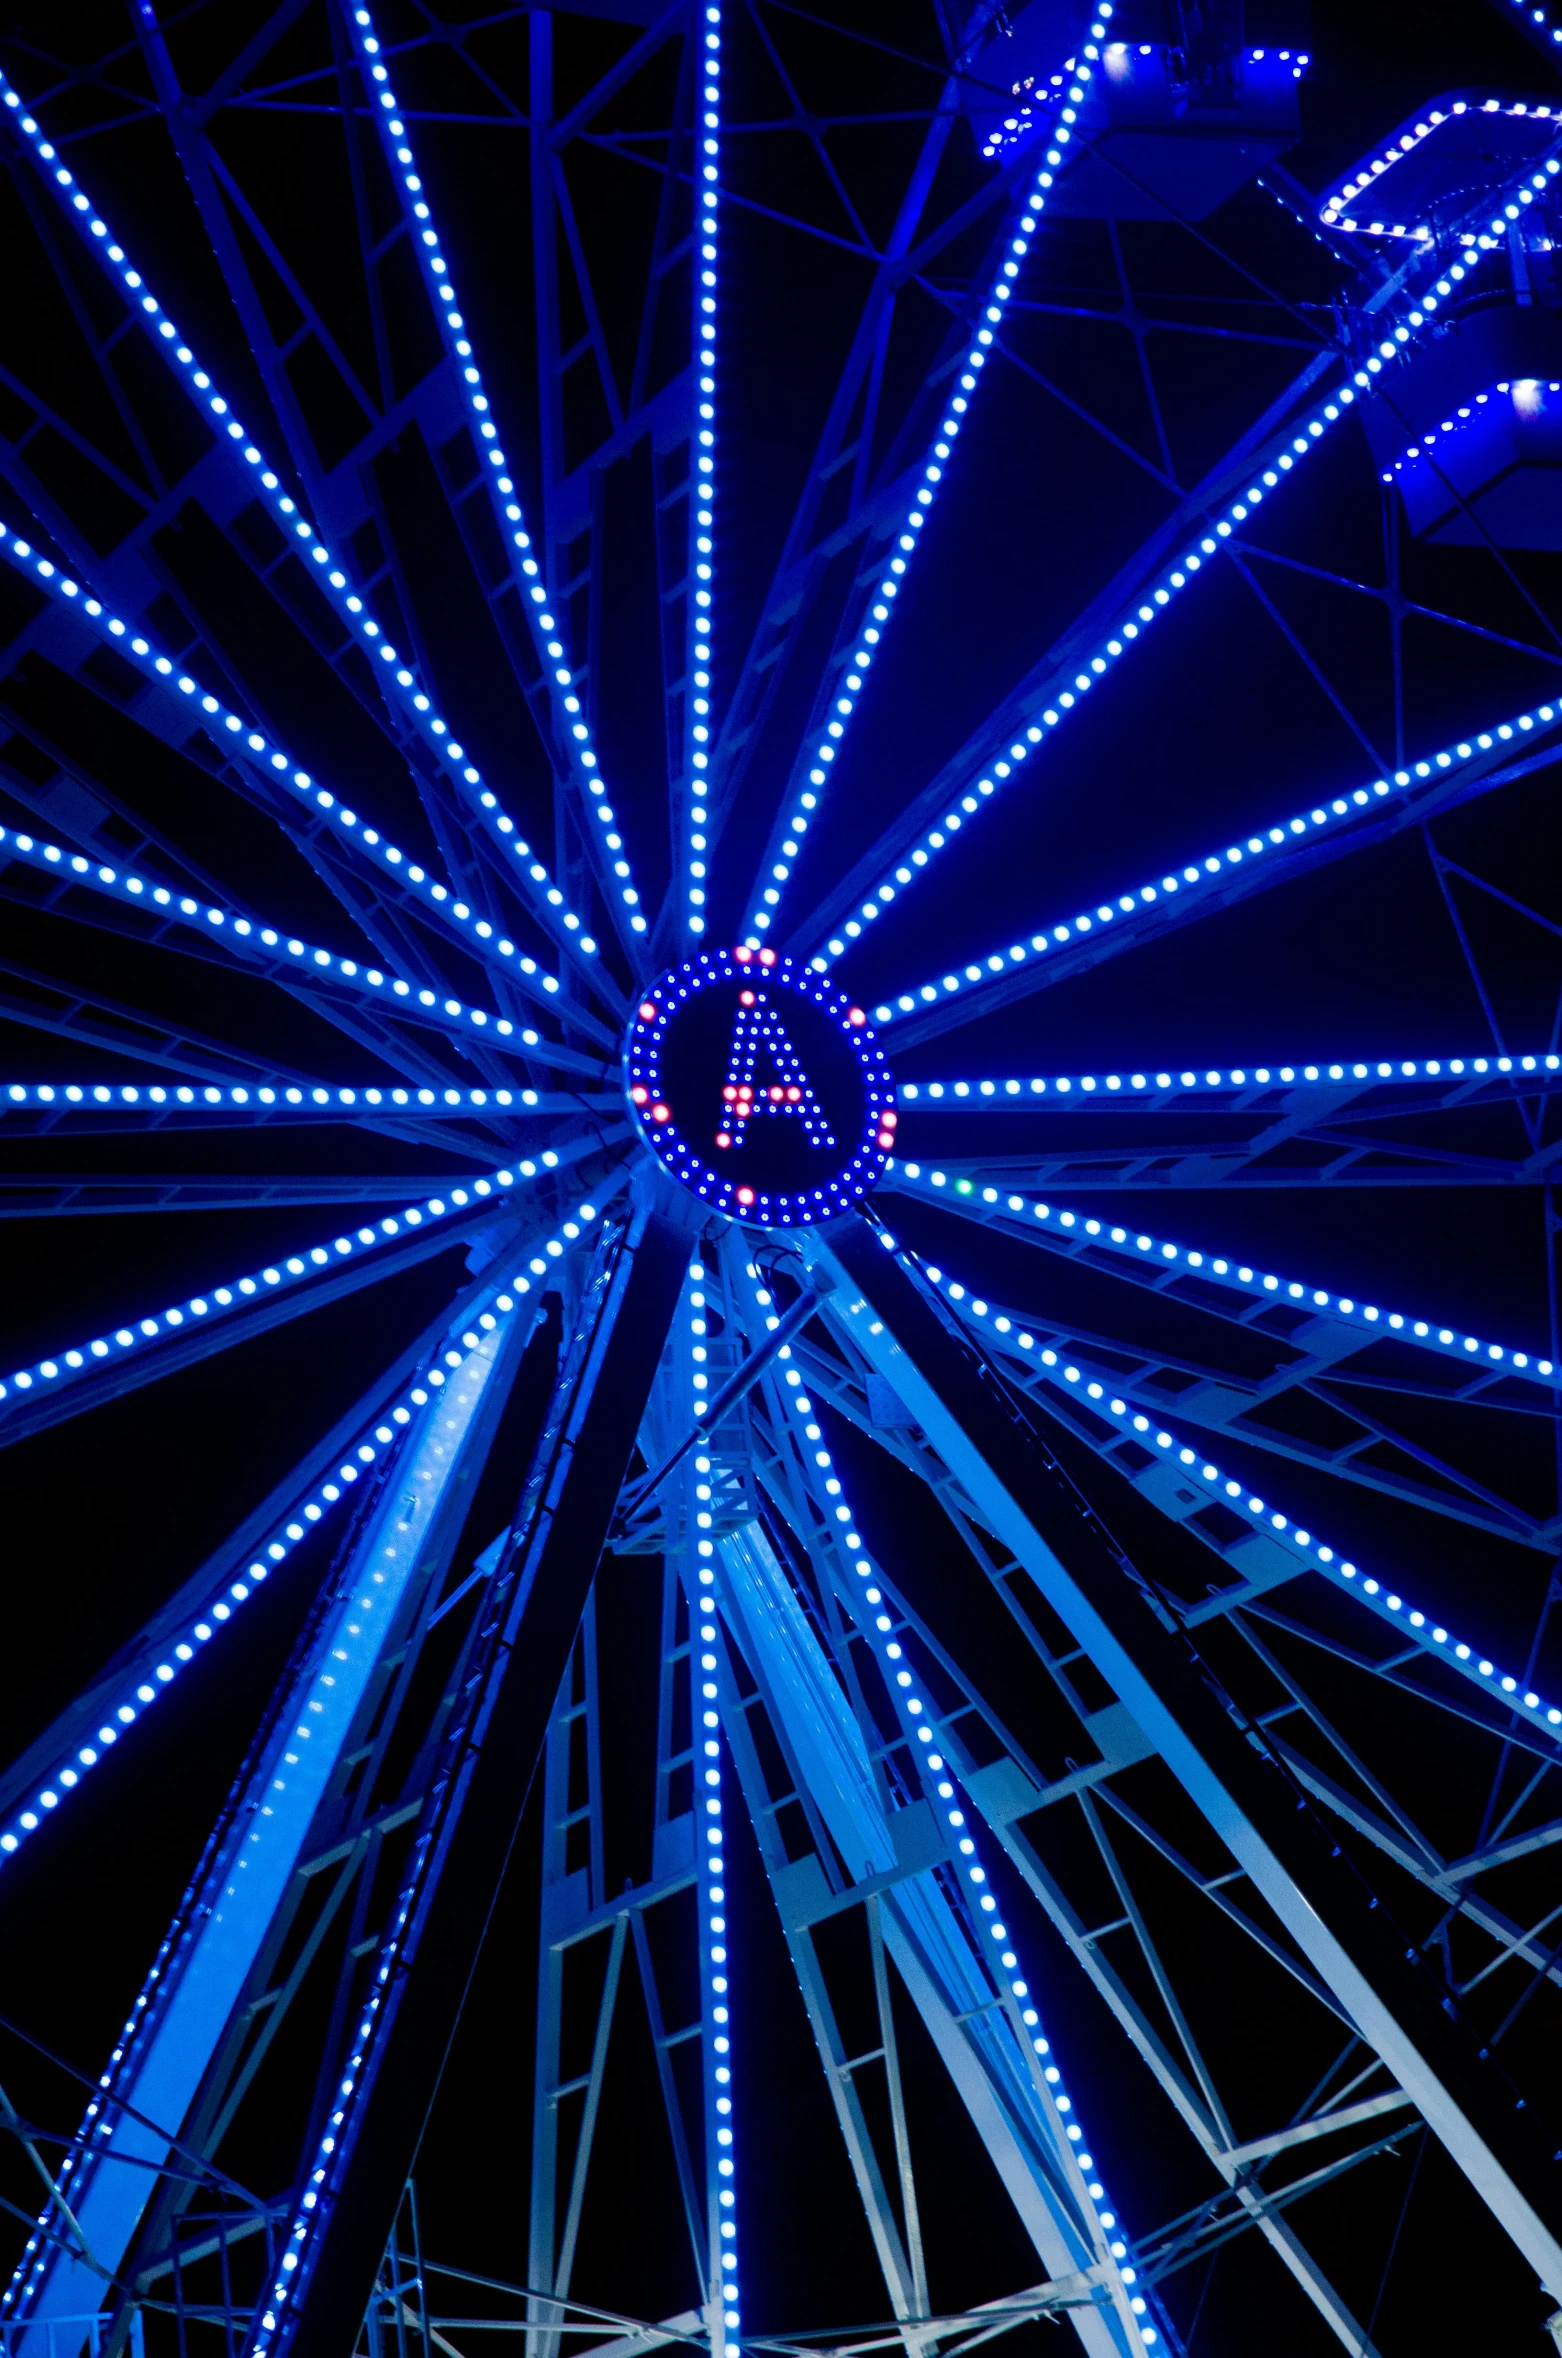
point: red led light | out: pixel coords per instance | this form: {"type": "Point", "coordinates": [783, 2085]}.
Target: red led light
{"type": "Point", "coordinates": [661, 1113]}
{"type": "Point", "coordinates": [745, 1195]}
{"type": "Point", "coordinates": [855, 1015]}
{"type": "Point", "coordinates": [767, 957]}
{"type": "Point", "coordinates": [887, 1121]}
{"type": "Point", "coordinates": [639, 1094]}
{"type": "Point", "coordinates": [647, 1011]}
{"type": "Point", "coordinates": [743, 956]}
{"type": "Point", "coordinates": [722, 1138]}
{"type": "Point", "coordinates": [745, 998]}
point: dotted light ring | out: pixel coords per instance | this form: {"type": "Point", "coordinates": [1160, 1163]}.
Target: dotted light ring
{"type": "Point", "coordinates": [656, 1121]}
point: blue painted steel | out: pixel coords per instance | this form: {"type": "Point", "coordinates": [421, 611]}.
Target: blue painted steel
{"type": "Point", "coordinates": [935, 1955]}
{"type": "Point", "coordinates": [54, 1747]}
{"type": "Point", "coordinates": [184, 2009]}
{"type": "Point", "coordinates": [1461, 2096]}
{"type": "Point", "coordinates": [353, 2181]}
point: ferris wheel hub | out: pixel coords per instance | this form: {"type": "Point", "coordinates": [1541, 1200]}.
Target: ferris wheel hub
{"type": "Point", "coordinates": [759, 1087]}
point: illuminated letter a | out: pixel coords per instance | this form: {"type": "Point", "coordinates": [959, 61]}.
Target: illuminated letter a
{"type": "Point", "coordinates": [765, 1076]}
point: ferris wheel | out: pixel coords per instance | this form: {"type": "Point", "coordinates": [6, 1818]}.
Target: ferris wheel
{"type": "Point", "coordinates": [759, 663]}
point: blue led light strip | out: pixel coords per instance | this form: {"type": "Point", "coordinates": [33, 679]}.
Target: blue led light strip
{"type": "Point", "coordinates": [379, 1435]}
{"type": "Point", "coordinates": [1526, 397]}
{"type": "Point", "coordinates": [353, 1647]}
{"type": "Point", "coordinates": [702, 463]}
{"type": "Point", "coordinates": [570, 720]}
{"type": "Point", "coordinates": [1232, 1274]}
{"type": "Point", "coordinates": [877, 619]}
{"type": "Point", "coordinates": [1288, 448]}
{"type": "Point", "coordinates": [1333, 251]}
{"type": "Point", "coordinates": [225, 1301]}
{"type": "Point", "coordinates": [296, 2254]}
{"type": "Point", "coordinates": [900, 1683]}
{"type": "Point", "coordinates": [1208, 873]}
{"type": "Point", "coordinates": [432, 899]}
{"type": "Point", "coordinates": [724, 2314]}
{"type": "Point", "coordinates": [1075, 1090]}
{"type": "Point", "coordinates": [1540, 18]}
{"type": "Point", "coordinates": [397, 682]}
{"type": "Point", "coordinates": [163, 1098]}
{"type": "Point", "coordinates": [1312, 1554]}
{"type": "Point", "coordinates": [1338, 208]}
{"type": "Point", "coordinates": [262, 945]}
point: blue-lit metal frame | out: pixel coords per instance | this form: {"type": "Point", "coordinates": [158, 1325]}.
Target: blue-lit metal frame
{"type": "Point", "coordinates": [484, 990]}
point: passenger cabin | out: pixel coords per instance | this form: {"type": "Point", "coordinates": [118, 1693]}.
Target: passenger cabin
{"type": "Point", "coordinates": [1467, 427]}
{"type": "Point", "coordinates": [1182, 108]}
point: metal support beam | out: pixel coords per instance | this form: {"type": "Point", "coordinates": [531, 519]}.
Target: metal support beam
{"type": "Point", "coordinates": [71, 1726]}
{"type": "Point", "coordinates": [228, 1916]}
{"type": "Point", "coordinates": [1233, 1777]}
{"type": "Point", "coordinates": [482, 1783]}
{"type": "Point", "coordinates": [893, 1852]}
{"type": "Point", "coordinates": [576, 1912]}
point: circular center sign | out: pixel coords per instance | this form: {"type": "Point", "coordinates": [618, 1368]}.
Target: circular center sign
{"type": "Point", "coordinates": [759, 1087]}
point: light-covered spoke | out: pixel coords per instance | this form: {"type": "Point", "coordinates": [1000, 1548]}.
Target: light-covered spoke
{"type": "Point", "coordinates": [1413, 316]}
{"type": "Point", "coordinates": [145, 1680]}
{"type": "Point", "coordinates": [1136, 915]}
{"type": "Point", "coordinates": [224, 1305]}
{"type": "Point", "coordinates": [281, 954]}
{"type": "Point", "coordinates": [573, 732]}
{"type": "Point", "coordinates": [1080, 1091]}
{"type": "Point", "coordinates": [699, 728]}
{"type": "Point", "coordinates": [1421, 1631]}
{"type": "Point", "coordinates": [710, 1691]}
{"type": "Point", "coordinates": [866, 1605]}
{"type": "Point", "coordinates": [1143, 1257]}
{"type": "Point", "coordinates": [806, 787]}
{"type": "Point", "coordinates": [397, 682]}
{"type": "Point", "coordinates": [434, 902]}
{"type": "Point", "coordinates": [1543, 25]}
{"type": "Point", "coordinates": [238, 1105]}
{"type": "Point", "coordinates": [1364, 1449]}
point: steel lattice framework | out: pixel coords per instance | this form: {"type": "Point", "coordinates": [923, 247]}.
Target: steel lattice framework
{"type": "Point", "coordinates": [495, 499]}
